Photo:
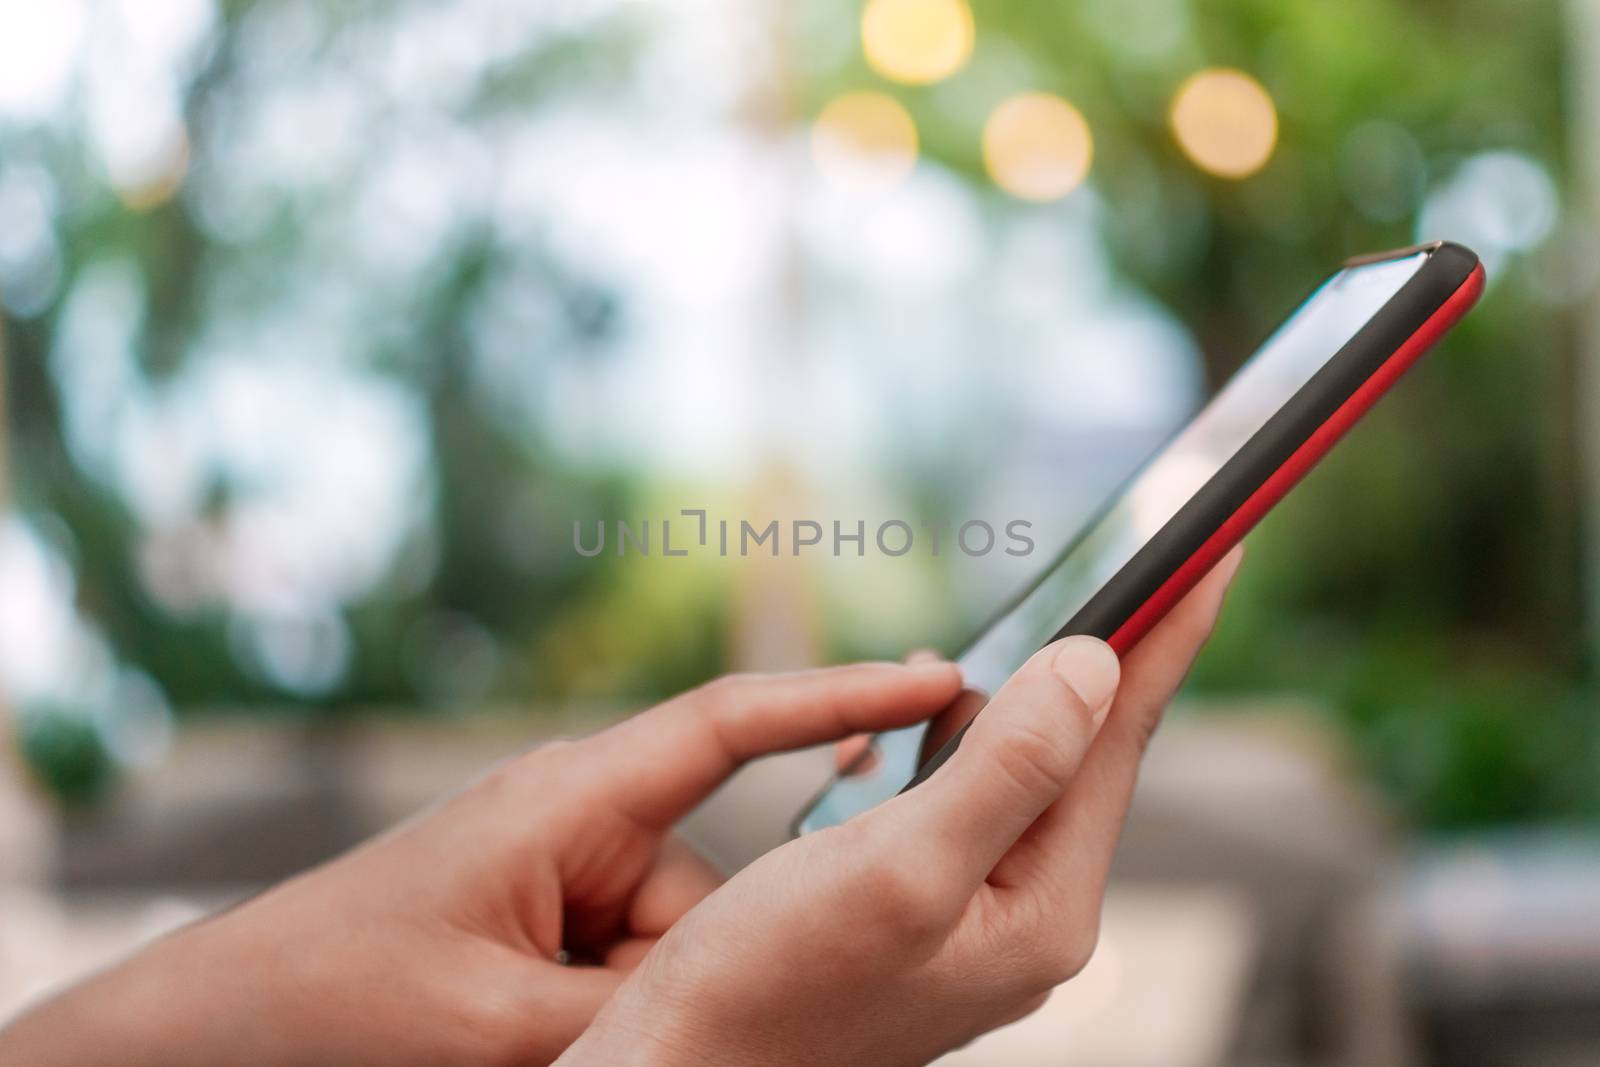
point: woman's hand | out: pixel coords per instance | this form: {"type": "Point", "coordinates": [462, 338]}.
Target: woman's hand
{"type": "Point", "coordinates": [487, 931]}
{"type": "Point", "coordinates": [943, 913]}
{"type": "Point", "coordinates": [491, 929]}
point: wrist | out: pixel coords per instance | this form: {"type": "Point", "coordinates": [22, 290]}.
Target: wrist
{"type": "Point", "coordinates": [192, 998]}
{"type": "Point", "coordinates": [644, 1025]}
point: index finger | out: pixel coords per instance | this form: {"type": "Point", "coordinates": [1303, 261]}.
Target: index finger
{"type": "Point", "coordinates": [666, 760]}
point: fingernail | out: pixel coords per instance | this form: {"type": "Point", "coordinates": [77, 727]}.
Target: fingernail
{"type": "Point", "coordinates": [1091, 669]}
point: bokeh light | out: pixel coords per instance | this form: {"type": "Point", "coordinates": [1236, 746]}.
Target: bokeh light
{"type": "Point", "coordinates": [1037, 146]}
{"type": "Point", "coordinates": [151, 181]}
{"type": "Point", "coordinates": [864, 142]}
{"type": "Point", "coordinates": [1497, 203]}
{"type": "Point", "coordinates": [39, 50]}
{"type": "Point", "coordinates": [1225, 122]}
{"type": "Point", "coordinates": [917, 41]}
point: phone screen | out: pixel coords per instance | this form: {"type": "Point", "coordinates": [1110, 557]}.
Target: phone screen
{"type": "Point", "coordinates": [1283, 364]}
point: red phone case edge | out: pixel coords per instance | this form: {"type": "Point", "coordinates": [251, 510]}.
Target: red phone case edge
{"type": "Point", "coordinates": [1299, 463]}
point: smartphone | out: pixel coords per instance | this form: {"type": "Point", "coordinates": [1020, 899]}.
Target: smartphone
{"type": "Point", "coordinates": [1201, 492]}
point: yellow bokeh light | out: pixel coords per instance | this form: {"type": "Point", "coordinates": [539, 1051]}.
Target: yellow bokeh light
{"type": "Point", "coordinates": [1225, 122]}
{"type": "Point", "coordinates": [1037, 146]}
{"type": "Point", "coordinates": [864, 141]}
{"type": "Point", "coordinates": [917, 41]}
{"type": "Point", "coordinates": [160, 180]}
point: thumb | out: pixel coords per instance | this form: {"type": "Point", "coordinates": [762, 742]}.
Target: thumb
{"type": "Point", "coordinates": [1017, 759]}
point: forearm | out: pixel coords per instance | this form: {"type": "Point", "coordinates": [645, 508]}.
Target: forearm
{"type": "Point", "coordinates": [274, 983]}
{"type": "Point", "coordinates": [184, 1000]}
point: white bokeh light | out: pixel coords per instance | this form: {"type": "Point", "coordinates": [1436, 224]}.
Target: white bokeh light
{"type": "Point", "coordinates": [327, 466]}
{"type": "Point", "coordinates": [41, 641]}
{"type": "Point", "coordinates": [1497, 203]}
{"type": "Point", "coordinates": [141, 57]}
{"type": "Point", "coordinates": [40, 42]}
{"type": "Point", "coordinates": [30, 254]}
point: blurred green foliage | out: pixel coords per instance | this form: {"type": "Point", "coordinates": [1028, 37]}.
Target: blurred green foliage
{"type": "Point", "coordinates": [492, 564]}
{"type": "Point", "coordinates": [67, 755]}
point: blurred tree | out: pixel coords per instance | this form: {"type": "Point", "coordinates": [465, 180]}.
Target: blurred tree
{"type": "Point", "coordinates": [224, 256]}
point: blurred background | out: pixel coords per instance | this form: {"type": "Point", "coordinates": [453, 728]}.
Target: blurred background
{"type": "Point", "coordinates": [325, 323]}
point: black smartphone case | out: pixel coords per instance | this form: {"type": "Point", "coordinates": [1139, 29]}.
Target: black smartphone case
{"type": "Point", "coordinates": [1271, 462]}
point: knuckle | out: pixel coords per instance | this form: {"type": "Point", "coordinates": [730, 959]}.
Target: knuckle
{"type": "Point", "coordinates": [723, 691]}
{"type": "Point", "coordinates": [1032, 761]}
{"type": "Point", "coordinates": [545, 760]}
{"type": "Point", "coordinates": [500, 1040]}
{"type": "Point", "coordinates": [901, 898]}
{"type": "Point", "coordinates": [1028, 1006]}
{"type": "Point", "coordinates": [1142, 722]}
{"type": "Point", "coordinates": [1065, 956]}
{"type": "Point", "coordinates": [490, 1030]}
{"type": "Point", "coordinates": [1078, 949]}
{"type": "Point", "coordinates": [498, 784]}
{"type": "Point", "coordinates": [1145, 729]}
{"type": "Point", "coordinates": [1055, 937]}
{"type": "Point", "coordinates": [536, 768]}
